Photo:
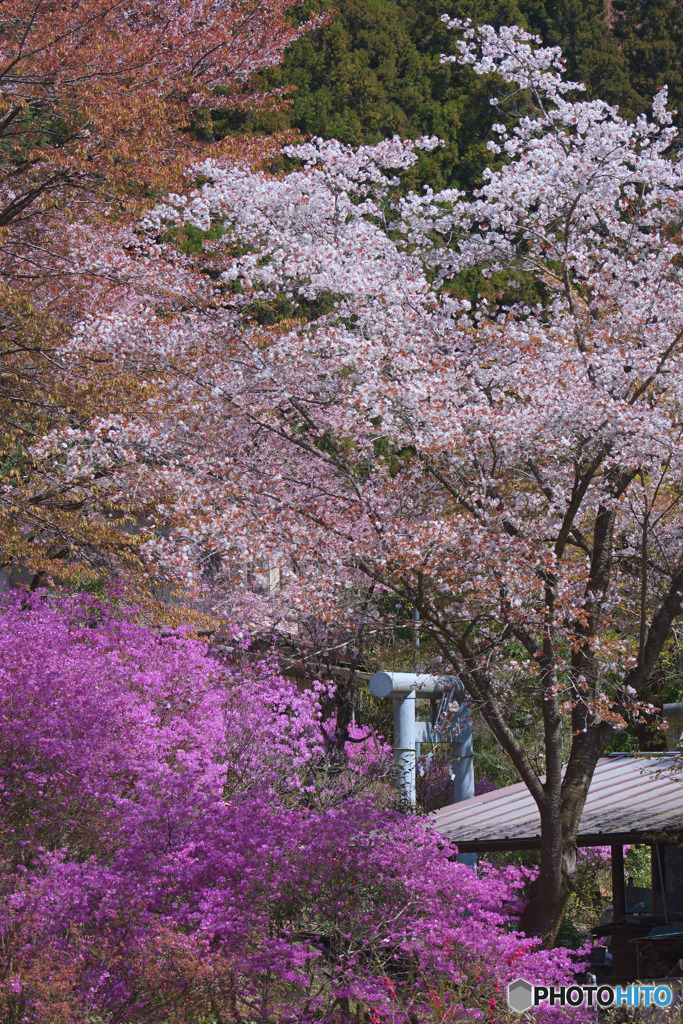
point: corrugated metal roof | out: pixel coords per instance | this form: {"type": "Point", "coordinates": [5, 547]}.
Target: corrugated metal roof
{"type": "Point", "coordinates": [630, 800]}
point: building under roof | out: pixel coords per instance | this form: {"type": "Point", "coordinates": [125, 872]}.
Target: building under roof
{"type": "Point", "coordinates": [632, 799]}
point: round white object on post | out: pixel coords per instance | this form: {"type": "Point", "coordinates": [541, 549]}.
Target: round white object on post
{"type": "Point", "coordinates": [387, 684]}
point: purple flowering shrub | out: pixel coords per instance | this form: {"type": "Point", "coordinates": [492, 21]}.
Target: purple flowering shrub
{"type": "Point", "coordinates": [434, 782]}
{"type": "Point", "coordinates": [166, 858]}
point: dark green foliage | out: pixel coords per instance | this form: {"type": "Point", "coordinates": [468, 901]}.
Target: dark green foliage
{"type": "Point", "coordinates": [268, 312]}
{"type": "Point", "coordinates": [374, 71]}
{"type": "Point", "coordinates": [650, 34]}
{"type": "Point", "coordinates": [190, 240]}
{"type": "Point", "coordinates": [593, 53]}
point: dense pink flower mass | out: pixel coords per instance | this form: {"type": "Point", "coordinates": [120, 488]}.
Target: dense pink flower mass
{"type": "Point", "coordinates": [172, 848]}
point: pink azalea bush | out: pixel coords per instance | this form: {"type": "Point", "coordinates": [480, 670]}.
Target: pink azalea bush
{"type": "Point", "coordinates": [171, 852]}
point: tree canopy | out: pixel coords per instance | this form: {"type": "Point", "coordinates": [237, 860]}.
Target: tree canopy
{"type": "Point", "coordinates": [97, 100]}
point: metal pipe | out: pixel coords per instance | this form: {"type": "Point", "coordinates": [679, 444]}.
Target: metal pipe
{"type": "Point", "coordinates": [385, 684]}
{"type": "Point", "coordinates": [673, 715]}
{"type": "Point", "coordinates": [404, 745]}
{"type": "Point", "coordinates": [462, 761]}
{"type": "Point", "coordinates": [405, 688]}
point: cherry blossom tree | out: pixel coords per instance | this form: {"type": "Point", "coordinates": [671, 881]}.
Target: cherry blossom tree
{"type": "Point", "coordinates": [103, 104]}
{"type": "Point", "coordinates": [95, 97]}
{"type": "Point", "coordinates": [472, 403]}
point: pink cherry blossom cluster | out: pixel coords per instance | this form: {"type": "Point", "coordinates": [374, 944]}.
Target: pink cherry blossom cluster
{"type": "Point", "coordinates": [587, 205]}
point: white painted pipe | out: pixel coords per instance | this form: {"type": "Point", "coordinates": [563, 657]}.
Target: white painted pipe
{"type": "Point", "coordinates": [673, 715]}
{"type": "Point", "coordinates": [386, 684]}
{"type": "Point", "coordinates": [404, 745]}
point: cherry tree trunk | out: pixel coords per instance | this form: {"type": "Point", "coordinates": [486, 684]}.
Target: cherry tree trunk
{"type": "Point", "coordinates": [553, 885]}
{"type": "Point", "coordinates": [560, 821]}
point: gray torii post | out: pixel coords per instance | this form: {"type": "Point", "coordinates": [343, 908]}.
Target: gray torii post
{"type": "Point", "coordinates": [404, 688]}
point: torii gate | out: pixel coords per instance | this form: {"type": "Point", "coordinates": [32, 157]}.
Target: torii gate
{"type": "Point", "coordinates": [445, 726]}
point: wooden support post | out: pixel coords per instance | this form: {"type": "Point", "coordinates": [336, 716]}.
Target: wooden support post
{"type": "Point", "coordinates": [618, 883]}
{"type": "Point", "coordinates": [657, 882]}
{"type": "Point", "coordinates": [620, 950]}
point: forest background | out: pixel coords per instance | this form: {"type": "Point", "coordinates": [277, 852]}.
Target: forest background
{"type": "Point", "coordinates": [374, 71]}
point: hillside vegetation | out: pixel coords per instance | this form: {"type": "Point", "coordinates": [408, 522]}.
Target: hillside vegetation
{"type": "Point", "coordinates": [374, 71]}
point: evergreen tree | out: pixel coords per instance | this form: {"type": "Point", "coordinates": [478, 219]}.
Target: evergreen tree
{"type": "Point", "coordinates": [650, 35]}
{"type": "Point", "coordinates": [374, 70]}
{"type": "Point", "coordinates": [593, 53]}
